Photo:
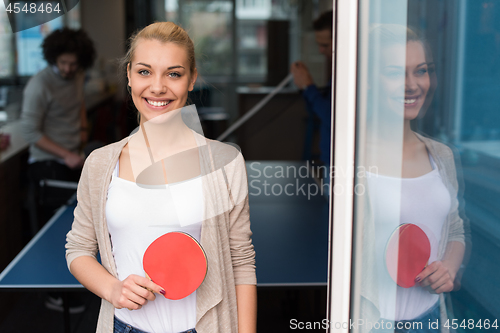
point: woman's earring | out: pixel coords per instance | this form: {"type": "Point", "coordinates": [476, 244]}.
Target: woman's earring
{"type": "Point", "coordinates": [129, 89]}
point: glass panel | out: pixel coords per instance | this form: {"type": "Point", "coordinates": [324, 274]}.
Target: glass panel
{"type": "Point", "coordinates": [427, 222]}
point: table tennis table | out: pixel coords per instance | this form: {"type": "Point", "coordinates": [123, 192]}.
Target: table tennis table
{"type": "Point", "coordinates": [289, 221]}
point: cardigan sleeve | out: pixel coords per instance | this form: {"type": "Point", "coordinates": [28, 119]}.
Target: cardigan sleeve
{"type": "Point", "coordinates": [81, 240]}
{"type": "Point", "coordinates": [240, 241]}
{"type": "Point", "coordinates": [458, 227]}
{"type": "Point", "coordinates": [456, 231]}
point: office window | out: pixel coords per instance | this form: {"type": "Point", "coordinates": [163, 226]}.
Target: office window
{"type": "Point", "coordinates": [252, 47]}
{"type": "Point", "coordinates": [26, 44]}
{"type": "Point", "coordinates": [29, 52]}
{"type": "Point", "coordinates": [6, 54]}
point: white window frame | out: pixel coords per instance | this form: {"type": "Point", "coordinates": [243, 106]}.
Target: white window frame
{"type": "Point", "coordinates": [344, 76]}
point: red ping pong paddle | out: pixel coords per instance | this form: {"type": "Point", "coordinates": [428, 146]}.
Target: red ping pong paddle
{"type": "Point", "coordinates": [177, 263]}
{"type": "Point", "coordinates": [407, 254]}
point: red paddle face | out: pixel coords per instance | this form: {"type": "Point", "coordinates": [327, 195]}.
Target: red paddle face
{"type": "Point", "coordinates": [407, 254]}
{"type": "Point", "coordinates": [177, 263]}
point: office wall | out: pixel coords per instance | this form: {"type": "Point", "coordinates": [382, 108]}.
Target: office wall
{"type": "Point", "coordinates": [105, 23]}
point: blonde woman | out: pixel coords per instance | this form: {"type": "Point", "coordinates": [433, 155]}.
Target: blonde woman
{"type": "Point", "coordinates": [203, 181]}
{"type": "Point", "coordinates": [416, 184]}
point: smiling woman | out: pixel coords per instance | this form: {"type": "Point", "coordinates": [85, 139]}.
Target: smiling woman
{"type": "Point", "coordinates": [160, 77]}
{"type": "Point", "coordinates": [404, 76]}
{"type": "Point", "coordinates": [161, 68]}
{"type": "Point", "coordinates": [164, 177]}
{"type": "Point", "coordinates": [415, 189]}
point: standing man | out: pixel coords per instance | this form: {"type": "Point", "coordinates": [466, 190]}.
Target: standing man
{"type": "Point", "coordinates": [53, 114]}
{"type": "Point", "coordinates": [319, 102]}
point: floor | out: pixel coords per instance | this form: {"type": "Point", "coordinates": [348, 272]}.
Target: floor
{"type": "Point", "coordinates": [277, 307]}
{"type": "Point", "coordinates": [28, 313]}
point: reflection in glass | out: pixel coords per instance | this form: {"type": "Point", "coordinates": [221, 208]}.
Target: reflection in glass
{"type": "Point", "coordinates": [413, 235]}
{"type": "Point", "coordinates": [464, 36]}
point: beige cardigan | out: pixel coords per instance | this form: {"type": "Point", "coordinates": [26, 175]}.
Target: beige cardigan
{"type": "Point", "coordinates": [225, 234]}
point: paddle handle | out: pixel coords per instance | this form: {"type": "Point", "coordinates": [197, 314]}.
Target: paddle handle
{"type": "Point", "coordinates": [147, 276]}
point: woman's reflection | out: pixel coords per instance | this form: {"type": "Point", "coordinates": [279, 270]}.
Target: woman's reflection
{"type": "Point", "coordinates": [413, 199]}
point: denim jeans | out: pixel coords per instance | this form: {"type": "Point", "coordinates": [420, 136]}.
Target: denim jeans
{"type": "Point", "coordinates": [121, 327]}
{"type": "Point", "coordinates": [428, 322]}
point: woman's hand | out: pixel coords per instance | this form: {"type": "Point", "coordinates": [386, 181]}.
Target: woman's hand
{"type": "Point", "coordinates": [437, 277]}
{"type": "Point", "coordinates": [133, 292]}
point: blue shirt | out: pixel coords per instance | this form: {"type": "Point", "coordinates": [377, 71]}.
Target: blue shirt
{"type": "Point", "coordinates": [319, 104]}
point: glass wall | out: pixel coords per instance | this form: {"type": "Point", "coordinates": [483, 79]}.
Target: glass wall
{"type": "Point", "coordinates": [426, 232]}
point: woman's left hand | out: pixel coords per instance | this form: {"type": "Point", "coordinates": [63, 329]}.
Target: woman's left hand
{"type": "Point", "coordinates": [437, 277]}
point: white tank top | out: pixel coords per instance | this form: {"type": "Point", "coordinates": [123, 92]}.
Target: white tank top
{"type": "Point", "coordinates": [136, 216]}
{"type": "Point", "coordinates": [423, 201]}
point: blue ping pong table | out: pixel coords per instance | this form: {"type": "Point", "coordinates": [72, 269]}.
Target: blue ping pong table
{"type": "Point", "coordinates": [289, 221]}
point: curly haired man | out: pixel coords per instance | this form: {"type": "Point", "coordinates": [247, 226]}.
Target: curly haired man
{"type": "Point", "coordinates": [54, 116]}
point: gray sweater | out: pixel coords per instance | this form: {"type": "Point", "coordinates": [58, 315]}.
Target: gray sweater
{"type": "Point", "coordinates": [51, 107]}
